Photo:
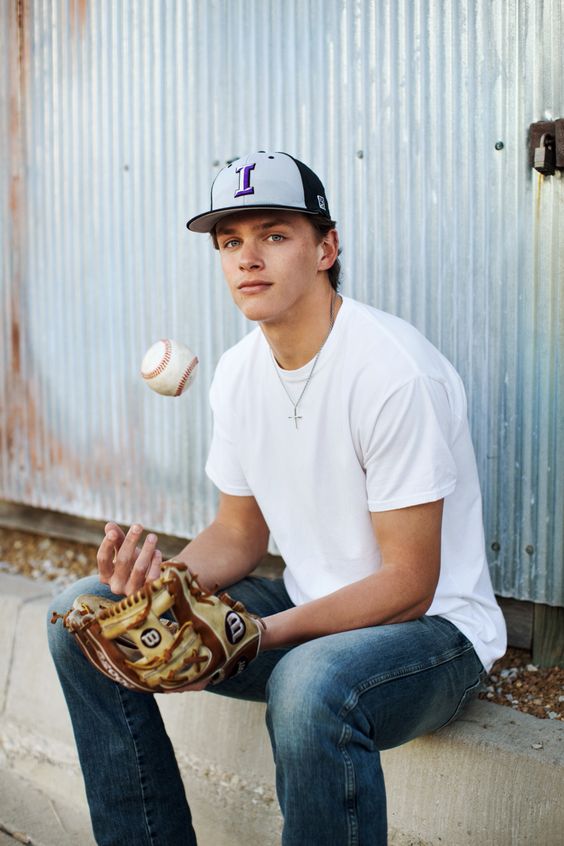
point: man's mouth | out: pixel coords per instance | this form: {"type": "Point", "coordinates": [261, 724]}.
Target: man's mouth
{"type": "Point", "coordinates": [253, 286]}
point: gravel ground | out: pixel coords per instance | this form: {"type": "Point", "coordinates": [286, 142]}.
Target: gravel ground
{"type": "Point", "coordinates": [58, 561]}
{"type": "Point", "coordinates": [514, 680]}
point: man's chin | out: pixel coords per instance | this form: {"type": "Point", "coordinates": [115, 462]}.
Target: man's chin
{"type": "Point", "coordinates": [256, 311]}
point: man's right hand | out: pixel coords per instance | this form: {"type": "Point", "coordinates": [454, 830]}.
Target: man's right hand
{"type": "Point", "coordinates": [123, 564]}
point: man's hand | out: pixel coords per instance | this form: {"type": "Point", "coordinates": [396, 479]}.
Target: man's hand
{"type": "Point", "coordinates": [228, 550]}
{"type": "Point", "coordinates": [171, 634]}
{"type": "Point", "coordinates": [123, 563]}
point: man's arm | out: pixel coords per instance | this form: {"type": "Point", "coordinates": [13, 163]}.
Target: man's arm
{"type": "Point", "coordinates": [403, 588]}
{"type": "Point", "coordinates": [229, 549]}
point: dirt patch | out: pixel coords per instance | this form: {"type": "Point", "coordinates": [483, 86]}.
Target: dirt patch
{"type": "Point", "coordinates": [58, 561]}
{"type": "Point", "coordinates": [514, 680]}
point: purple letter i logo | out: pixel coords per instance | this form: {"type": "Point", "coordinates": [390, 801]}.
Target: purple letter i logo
{"type": "Point", "coordinates": [245, 186]}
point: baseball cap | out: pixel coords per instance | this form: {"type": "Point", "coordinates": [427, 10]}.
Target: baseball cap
{"type": "Point", "coordinates": [263, 180]}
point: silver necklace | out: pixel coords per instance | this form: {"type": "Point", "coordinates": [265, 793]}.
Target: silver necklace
{"type": "Point", "coordinates": [295, 416]}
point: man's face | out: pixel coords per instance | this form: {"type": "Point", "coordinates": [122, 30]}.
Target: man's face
{"type": "Point", "coordinates": [272, 262]}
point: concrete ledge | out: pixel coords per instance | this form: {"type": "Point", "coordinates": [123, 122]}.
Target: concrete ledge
{"type": "Point", "coordinates": [44, 822]}
{"type": "Point", "coordinates": [481, 781]}
{"type": "Point", "coordinates": [494, 777]}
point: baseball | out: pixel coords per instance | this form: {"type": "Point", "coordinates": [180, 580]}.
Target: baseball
{"type": "Point", "coordinates": [169, 367]}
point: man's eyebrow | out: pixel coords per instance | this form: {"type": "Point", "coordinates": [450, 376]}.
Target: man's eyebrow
{"type": "Point", "coordinates": [267, 224]}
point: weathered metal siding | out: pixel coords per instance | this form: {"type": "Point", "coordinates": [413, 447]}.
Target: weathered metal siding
{"type": "Point", "coordinates": [115, 118]}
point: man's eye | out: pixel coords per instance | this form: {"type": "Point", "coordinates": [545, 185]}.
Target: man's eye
{"type": "Point", "coordinates": [275, 236]}
{"type": "Point", "coordinates": [231, 243]}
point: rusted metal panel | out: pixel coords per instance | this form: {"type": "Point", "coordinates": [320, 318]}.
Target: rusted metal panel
{"type": "Point", "coordinates": [17, 405]}
{"type": "Point", "coordinates": [115, 118]}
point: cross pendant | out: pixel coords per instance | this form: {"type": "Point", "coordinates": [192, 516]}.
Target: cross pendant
{"type": "Point", "coordinates": [295, 417]}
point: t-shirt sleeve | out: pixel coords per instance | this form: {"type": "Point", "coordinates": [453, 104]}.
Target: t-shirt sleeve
{"type": "Point", "coordinates": [406, 448]}
{"type": "Point", "coordinates": [223, 466]}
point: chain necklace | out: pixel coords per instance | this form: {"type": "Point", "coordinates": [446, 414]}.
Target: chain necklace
{"type": "Point", "coordinates": [295, 416]}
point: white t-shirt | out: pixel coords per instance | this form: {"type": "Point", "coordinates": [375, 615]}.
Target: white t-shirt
{"type": "Point", "coordinates": [383, 425]}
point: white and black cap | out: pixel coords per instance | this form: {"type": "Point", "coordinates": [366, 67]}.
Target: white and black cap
{"type": "Point", "coordinates": [263, 180]}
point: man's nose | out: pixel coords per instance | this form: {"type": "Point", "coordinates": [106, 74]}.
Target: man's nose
{"type": "Point", "coordinates": [250, 258]}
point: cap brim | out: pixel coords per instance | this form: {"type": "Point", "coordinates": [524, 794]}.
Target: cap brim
{"type": "Point", "coordinates": [206, 222]}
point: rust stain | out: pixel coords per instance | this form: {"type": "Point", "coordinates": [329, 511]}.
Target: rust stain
{"type": "Point", "coordinates": [540, 181]}
{"type": "Point", "coordinates": [17, 70]}
{"type": "Point", "coordinates": [15, 204]}
{"type": "Point", "coordinates": [23, 432]}
{"type": "Point", "coordinates": [77, 10]}
{"type": "Point", "coordinates": [15, 341]}
{"type": "Point", "coordinates": [32, 449]}
{"type": "Point", "coordinates": [16, 222]}
{"type": "Point", "coordinates": [26, 438]}
{"type": "Point", "coordinates": [21, 14]}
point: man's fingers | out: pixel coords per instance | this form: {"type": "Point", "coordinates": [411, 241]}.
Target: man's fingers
{"type": "Point", "coordinates": [145, 565]}
{"type": "Point", "coordinates": [123, 563]}
{"type": "Point", "coordinates": [125, 558]}
{"type": "Point", "coordinates": [107, 551]}
{"type": "Point", "coordinates": [113, 527]}
{"type": "Point", "coordinates": [154, 570]}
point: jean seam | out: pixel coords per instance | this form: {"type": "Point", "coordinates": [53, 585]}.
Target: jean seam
{"type": "Point", "coordinates": [403, 672]}
{"type": "Point", "coordinates": [350, 788]}
{"type": "Point", "coordinates": [121, 695]}
{"type": "Point", "coordinates": [346, 734]}
{"type": "Point", "coordinates": [470, 691]}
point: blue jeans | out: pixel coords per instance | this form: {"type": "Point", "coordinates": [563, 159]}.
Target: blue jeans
{"type": "Point", "coordinates": [332, 705]}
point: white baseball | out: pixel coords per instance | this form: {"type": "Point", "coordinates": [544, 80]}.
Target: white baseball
{"type": "Point", "coordinates": [169, 367]}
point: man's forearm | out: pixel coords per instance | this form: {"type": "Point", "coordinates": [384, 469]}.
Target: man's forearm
{"type": "Point", "coordinates": [220, 556]}
{"type": "Point", "coordinates": [388, 596]}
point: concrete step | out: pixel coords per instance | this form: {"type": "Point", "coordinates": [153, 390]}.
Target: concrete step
{"type": "Point", "coordinates": [38, 817]}
{"type": "Point", "coordinates": [29, 815]}
{"type": "Point", "coordinates": [494, 778]}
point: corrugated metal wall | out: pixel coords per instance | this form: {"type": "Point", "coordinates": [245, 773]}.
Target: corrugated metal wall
{"type": "Point", "coordinates": [114, 119]}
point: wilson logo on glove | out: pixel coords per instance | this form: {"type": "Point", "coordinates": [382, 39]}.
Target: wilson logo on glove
{"type": "Point", "coordinates": [209, 638]}
{"type": "Point", "coordinates": [150, 638]}
{"type": "Point", "coordinates": [234, 627]}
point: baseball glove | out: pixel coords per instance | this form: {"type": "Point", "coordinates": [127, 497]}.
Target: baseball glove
{"type": "Point", "coordinates": [202, 638]}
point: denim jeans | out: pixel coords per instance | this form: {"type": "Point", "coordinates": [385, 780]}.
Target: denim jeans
{"type": "Point", "coordinates": [331, 705]}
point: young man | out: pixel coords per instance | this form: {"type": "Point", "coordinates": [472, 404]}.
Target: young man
{"type": "Point", "coordinates": [343, 432]}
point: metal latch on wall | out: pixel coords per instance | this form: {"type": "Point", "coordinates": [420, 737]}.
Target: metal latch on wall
{"type": "Point", "coordinates": [546, 146]}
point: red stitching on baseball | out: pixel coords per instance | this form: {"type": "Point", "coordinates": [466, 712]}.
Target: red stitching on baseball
{"type": "Point", "coordinates": [186, 376]}
{"type": "Point", "coordinates": [163, 362]}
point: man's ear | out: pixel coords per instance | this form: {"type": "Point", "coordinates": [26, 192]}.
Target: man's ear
{"type": "Point", "coordinates": [329, 250]}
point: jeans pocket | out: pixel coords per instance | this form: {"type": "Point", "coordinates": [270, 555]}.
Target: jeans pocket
{"type": "Point", "coordinates": [470, 693]}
